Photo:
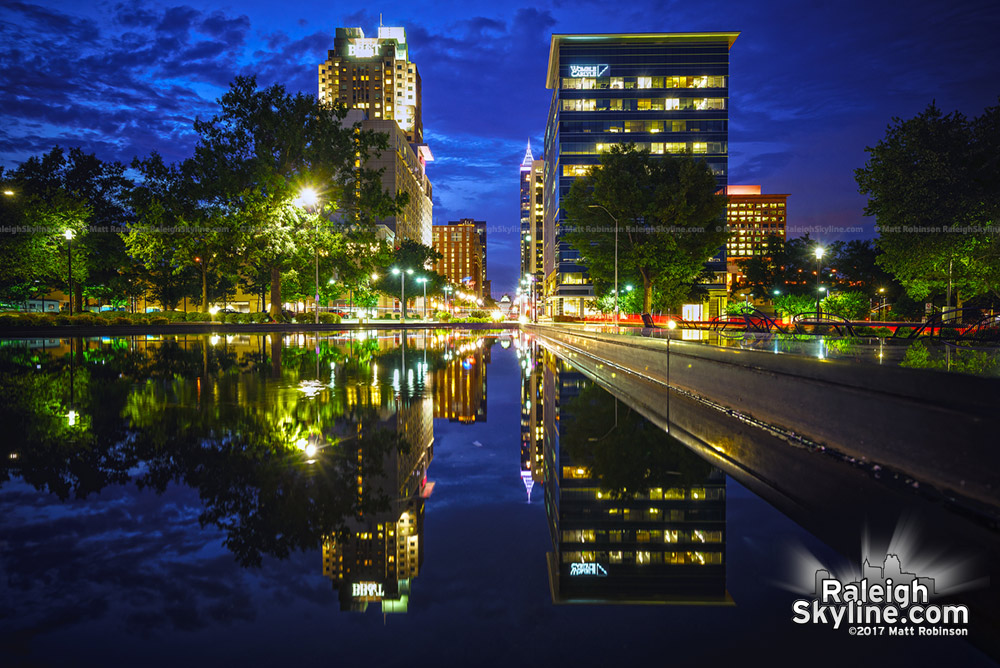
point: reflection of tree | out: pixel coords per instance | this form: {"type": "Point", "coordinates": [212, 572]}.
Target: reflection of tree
{"type": "Point", "coordinates": [631, 457]}
{"type": "Point", "coordinates": [211, 418]}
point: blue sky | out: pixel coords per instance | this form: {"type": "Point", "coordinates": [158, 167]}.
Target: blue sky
{"type": "Point", "coordinates": [812, 83]}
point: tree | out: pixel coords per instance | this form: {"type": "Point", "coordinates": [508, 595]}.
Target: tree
{"type": "Point", "coordinates": [931, 184]}
{"type": "Point", "coordinates": [77, 191]}
{"type": "Point", "coordinates": [853, 305]}
{"type": "Point", "coordinates": [670, 220]}
{"type": "Point", "coordinates": [261, 149]}
{"type": "Point", "coordinates": [418, 257]}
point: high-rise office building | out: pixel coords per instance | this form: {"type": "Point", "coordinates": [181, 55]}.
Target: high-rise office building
{"type": "Point", "coordinates": [668, 92]}
{"type": "Point", "coordinates": [374, 74]}
{"type": "Point", "coordinates": [375, 79]}
{"type": "Point", "coordinates": [462, 261]}
{"type": "Point", "coordinates": [532, 191]}
{"type": "Point", "coordinates": [751, 218]}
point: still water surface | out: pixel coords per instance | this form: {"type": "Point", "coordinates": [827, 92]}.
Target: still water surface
{"type": "Point", "coordinates": [381, 498]}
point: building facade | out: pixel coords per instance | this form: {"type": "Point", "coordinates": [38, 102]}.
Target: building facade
{"type": "Point", "coordinates": [375, 75]}
{"type": "Point", "coordinates": [532, 229]}
{"type": "Point", "coordinates": [404, 171]}
{"type": "Point", "coordinates": [751, 217]}
{"type": "Point", "coordinates": [462, 261]}
{"type": "Point", "coordinates": [668, 92]}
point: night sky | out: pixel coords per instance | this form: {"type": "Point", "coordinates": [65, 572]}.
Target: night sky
{"type": "Point", "coordinates": [812, 84]}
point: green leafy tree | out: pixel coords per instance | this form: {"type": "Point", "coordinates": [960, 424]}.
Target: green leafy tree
{"type": "Point", "coordinates": [853, 305]}
{"type": "Point", "coordinates": [669, 218]}
{"type": "Point", "coordinates": [262, 149]}
{"type": "Point", "coordinates": [789, 305]}
{"type": "Point", "coordinates": [931, 184]}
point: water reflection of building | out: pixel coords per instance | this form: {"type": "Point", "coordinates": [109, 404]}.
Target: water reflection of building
{"type": "Point", "coordinates": [460, 387]}
{"type": "Point", "coordinates": [380, 552]}
{"type": "Point", "coordinates": [529, 359]}
{"type": "Point", "coordinates": [660, 539]}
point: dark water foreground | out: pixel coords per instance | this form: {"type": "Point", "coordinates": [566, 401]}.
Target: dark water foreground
{"type": "Point", "coordinates": [391, 499]}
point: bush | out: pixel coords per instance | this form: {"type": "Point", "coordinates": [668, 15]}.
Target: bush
{"type": "Point", "coordinates": [159, 321]}
{"type": "Point", "coordinates": [443, 316]}
{"type": "Point", "coordinates": [63, 320]}
{"type": "Point", "coordinates": [260, 316]}
{"type": "Point", "coordinates": [9, 320]}
{"type": "Point", "coordinates": [84, 320]}
{"type": "Point", "coordinates": [119, 321]}
{"type": "Point", "coordinates": [329, 318]}
{"type": "Point", "coordinates": [478, 314]}
{"type": "Point", "coordinates": [199, 316]}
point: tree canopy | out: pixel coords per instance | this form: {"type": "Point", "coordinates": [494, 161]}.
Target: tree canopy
{"type": "Point", "coordinates": [670, 220]}
{"type": "Point", "coordinates": [932, 185]}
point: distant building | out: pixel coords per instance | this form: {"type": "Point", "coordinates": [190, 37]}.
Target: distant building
{"type": "Point", "coordinates": [532, 217]}
{"type": "Point", "coordinates": [750, 219]}
{"type": "Point", "coordinates": [460, 387]}
{"type": "Point", "coordinates": [480, 226]}
{"type": "Point", "coordinates": [462, 261]}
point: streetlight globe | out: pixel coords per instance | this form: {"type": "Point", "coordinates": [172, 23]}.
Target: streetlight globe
{"type": "Point", "coordinates": [8, 193]}
{"type": "Point", "coordinates": [671, 324]}
{"type": "Point", "coordinates": [69, 234]}
{"type": "Point", "coordinates": [374, 276]}
{"type": "Point", "coordinates": [395, 271]}
{"type": "Point", "coordinates": [308, 197]}
{"type": "Point", "coordinates": [409, 271]}
{"type": "Point", "coordinates": [819, 252]}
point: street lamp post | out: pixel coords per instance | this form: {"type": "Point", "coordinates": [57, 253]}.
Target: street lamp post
{"type": "Point", "coordinates": [598, 206]}
{"type": "Point", "coordinates": [308, 199]}
{"type": "Point", "coordinates": [423, 281]}
{"type": "Point", "coordinates": [819, 256]}
{"type": "Point", "coordinates": [69, 261]}
{"type": "Point", "coordinates": [447, 294]}
{"type": "Point", "coordinates": [402, 289]}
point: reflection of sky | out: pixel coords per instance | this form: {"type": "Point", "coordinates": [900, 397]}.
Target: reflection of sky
{"type": "Point", "coordinates": [129, 577]}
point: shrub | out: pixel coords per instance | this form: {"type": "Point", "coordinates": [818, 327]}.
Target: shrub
{"type": "Point", "coordinates": [118, 322]}
{"type": "Point", "coordinates": [199, 316]}
{"type": "Point", "coordinates": [478, 314]}
{"type": "Point", "coordinates": [563, 318]}
{"type": "Point", "coordinates": [443, 316]}
{"type": "Point", "coordinates": [9, 320]}
{"type": "Point", "coordinates": [63, 320]}
{"type": "Point", "coordinates": [260, 316]}
{"type": "Point", "coordinates": [159, 321]}
{"type": "Point", "coordinates": [329, 318]}
{"type": "Point", "coordinates": [84, 320]}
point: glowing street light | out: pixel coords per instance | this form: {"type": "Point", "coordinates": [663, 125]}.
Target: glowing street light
{"type": "Point", "coordinates": [423, 280]}
{"type": "Point", "coordinates": [69, 261]}
{"type": "Point", "coordinates": [402, 288]}
{"type": "Point", "coordinates": [818, 252]}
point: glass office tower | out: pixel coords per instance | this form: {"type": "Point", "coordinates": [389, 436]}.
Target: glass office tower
{"type": "Point", "coordinates": [668, 92]}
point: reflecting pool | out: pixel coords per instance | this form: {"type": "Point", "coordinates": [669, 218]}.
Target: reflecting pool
{"type": "Point", "coordinates": [390, 498]}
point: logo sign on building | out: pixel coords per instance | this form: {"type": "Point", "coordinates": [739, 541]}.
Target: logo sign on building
{"type": "Point", "coordinates": [363, 47]}
{"type": "Point", "coordinates": [367, 590]}
{"type": "Point", "coordinates": [591, 569]}
{"type": "Point", "coordinates": [588, 70]}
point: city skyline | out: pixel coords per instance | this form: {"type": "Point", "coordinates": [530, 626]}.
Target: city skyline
{"type": "Point", "coordinates": [808, 93]}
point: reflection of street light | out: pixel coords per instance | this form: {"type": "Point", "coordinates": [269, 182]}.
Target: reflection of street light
{"type": "Point", "coordinates": [423, 280]}
{"type": "Point", "coordinates": [402, 289]}
{"type": "Point", "coordinates": [69, 257]}
{"type": "Point", "coordinates": [598, 206]}
{"type": "Point", "coordinates": [818, 251]}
